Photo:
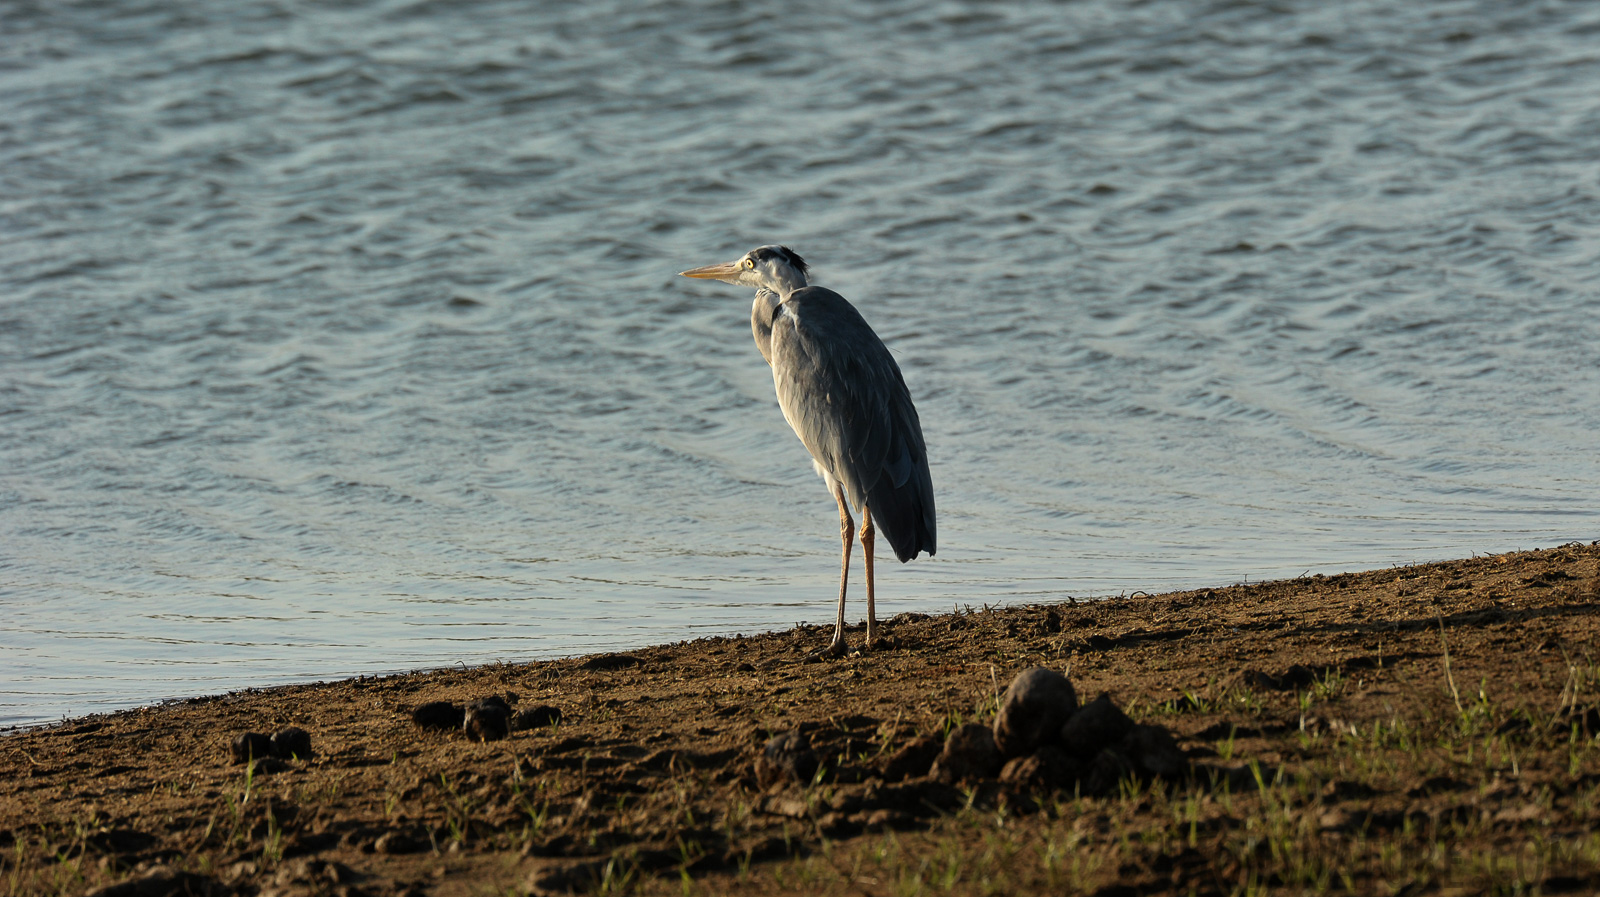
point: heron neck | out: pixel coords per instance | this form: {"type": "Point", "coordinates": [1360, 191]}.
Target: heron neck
{"type": "Point", "coordinates": [786, 283]}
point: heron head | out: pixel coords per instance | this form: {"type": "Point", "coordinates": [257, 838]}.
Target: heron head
{"type": "Point", "coordinates": [777, 268]}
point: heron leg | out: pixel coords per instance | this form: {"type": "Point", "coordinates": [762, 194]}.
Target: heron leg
{"type": "Point", "coordinates": [868, 536]}
{"type": "Point", "coordinates": [847, 532]}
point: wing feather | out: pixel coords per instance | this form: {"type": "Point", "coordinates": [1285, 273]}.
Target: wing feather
{"type": "Point", "coordinates": [844, 396]}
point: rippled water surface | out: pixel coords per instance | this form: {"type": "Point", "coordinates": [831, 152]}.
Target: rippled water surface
{"type": "Point", "coordinates": [346, 337]}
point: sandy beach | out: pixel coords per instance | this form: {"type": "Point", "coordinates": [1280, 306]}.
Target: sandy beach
{"type": "Point", "coordinates": [1416, 730]}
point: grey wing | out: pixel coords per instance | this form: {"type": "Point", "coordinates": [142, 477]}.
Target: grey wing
{"type": "Point", "coordinates": [844, 396]}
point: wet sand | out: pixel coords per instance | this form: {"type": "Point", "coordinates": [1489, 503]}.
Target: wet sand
{"type": "Point", "coordinates": [1425, 729]}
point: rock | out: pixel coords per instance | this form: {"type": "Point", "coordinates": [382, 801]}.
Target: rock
{"type": "Point", "coordinates": [1339, 819]}
{"type": "Point", "coordinates": [912, 760]}
{"type": "Point", "coordinates": [438, 715]}
{"type": "Point", "coordinates": [1106, 773]}
{"type": "Point", "coordinates": [1258, 679]}
{"type": "Point", "coordinates": [1046, 769]}
{"type": "Point", "coordinates": [1346, 789]}
{"type": "Point", "coordinates": [535, 717]}
{"type": "Point", "coordinates": [1297, 676]}
{"type": "Point", "coordinates": [487, 719]}
{"type": "Point", "coordinates": [1099, 724]}
{"type": "Point", "coordinates": [249, 746]}
{"type": "Point", "coordinates": [839, 825]}
{"type": "Point", "coordinates": [400, 841]}
{"type": "Point", "coordinates": [1035, 705]}
{"type": "Point", "coordinates": [291, 743]}
{"type": "Point", "coordinates": [787, 756]}
{"type": "Point", "coordinates": [782, 805]}
{"type": "Point", "coordinates": [267, 765]}
{"type": "Point", "coordinates": [880, 819]}
{"type": "Point", "coordinates": [315, 872]}
{"type": "Point", "coordinates": [1524, 813]}
{"type": "Point", "coordinates": [1154, 751]}
{"type": "Point", "coordinates": [491, 702]}
{"type": "Point", "coordinates": [969, 753]}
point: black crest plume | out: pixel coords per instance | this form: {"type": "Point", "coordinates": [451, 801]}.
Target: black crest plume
{"type": "Point", "coordinates": [788, 255]}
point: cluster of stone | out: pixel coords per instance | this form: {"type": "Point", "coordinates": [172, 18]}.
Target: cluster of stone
{"type": "Point", "coordinates": [1043, 740]}
{"type": "Point", "coordinates": [484, 719]}
{"type": "Point", "coordinates": [288, 743]}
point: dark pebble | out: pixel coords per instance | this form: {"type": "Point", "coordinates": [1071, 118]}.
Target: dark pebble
{"type": "Point", "coordinates": [913, 760]}
{"type": "Point", "coordinates": [1038, 701]}
{"type": "Point", "coordinates": [787, 756]}
{"type": "Point", "coordinates": [1097, 725]}
{"type": "Point", "coordinates": [1155, 752]}
{"type": "Point", "coordinates": [249, 746]}
{"type": "Point", "coordinates": [398, 841]}
{"type": "Point", "coordinates": [535, 717]}
{"type": "Point", "coordinates": [1106, 772]}
{"type": "Point", "coordinates": [1259, 680]}
{"type": "Point", "coordinates": [487, 719]}
{"type": "Point", "coordinates": [878, 820]}
{"type": "Point", "coordinates": [969, 753]}
{"type": "Point", "coordinates": [1298, 676]}
{"type": "Point", "coordinates": [292, 743]}
{"type": "Point", "coordinates": [438, 715]}
{"type": "Point", "coordinates": [1046, 769]}
{"type": "Point", "coordinates": [840, 825]}
{"type": "Point", "coordinates": [1346, 789]}
{"type": "Point", "coordinates": [494, 701]}
{"type": "Point", "coordinates": [262, 766]}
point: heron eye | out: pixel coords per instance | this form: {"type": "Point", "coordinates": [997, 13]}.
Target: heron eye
{"type": "Point", "coordinates": [749, 263]}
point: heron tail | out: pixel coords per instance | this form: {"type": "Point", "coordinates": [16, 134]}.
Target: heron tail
{"type": "Point", "coordinates": [904, 514]}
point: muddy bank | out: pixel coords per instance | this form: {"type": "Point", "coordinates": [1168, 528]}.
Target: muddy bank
{"type": "Point", "coordinates": [1425, 729]}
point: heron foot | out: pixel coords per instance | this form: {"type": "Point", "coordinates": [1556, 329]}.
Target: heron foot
{"type": "Point", "coordinates": [836, 649]}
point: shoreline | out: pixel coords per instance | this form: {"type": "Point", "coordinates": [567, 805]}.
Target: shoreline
{"type": "Point", "coordinates": [1424, 724]}
{"type": "Point", "coordinates": [335, 678]}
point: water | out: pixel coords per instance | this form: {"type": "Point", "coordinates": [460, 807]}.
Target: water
{"type": "Point", "coordinates": [346, 337]}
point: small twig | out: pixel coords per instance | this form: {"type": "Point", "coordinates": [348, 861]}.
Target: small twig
{"type": "Point", "coordinates": [1572, 685]}
{"type": "Point", "coordinates": [1448, 677]}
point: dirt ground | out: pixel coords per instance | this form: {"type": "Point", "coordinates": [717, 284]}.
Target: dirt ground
{"type": "Point", "coordinates": [1426, 729]}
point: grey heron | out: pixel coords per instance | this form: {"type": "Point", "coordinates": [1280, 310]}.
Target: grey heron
{"type": "Point", "coordinates": [843, 395]}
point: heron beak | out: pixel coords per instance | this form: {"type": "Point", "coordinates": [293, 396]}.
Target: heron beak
{"type": "Point", "coordinates": [727, 272]}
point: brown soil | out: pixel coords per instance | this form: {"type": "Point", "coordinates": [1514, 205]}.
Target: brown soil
{"type": "Point", "coordinates": [1420, 729]}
